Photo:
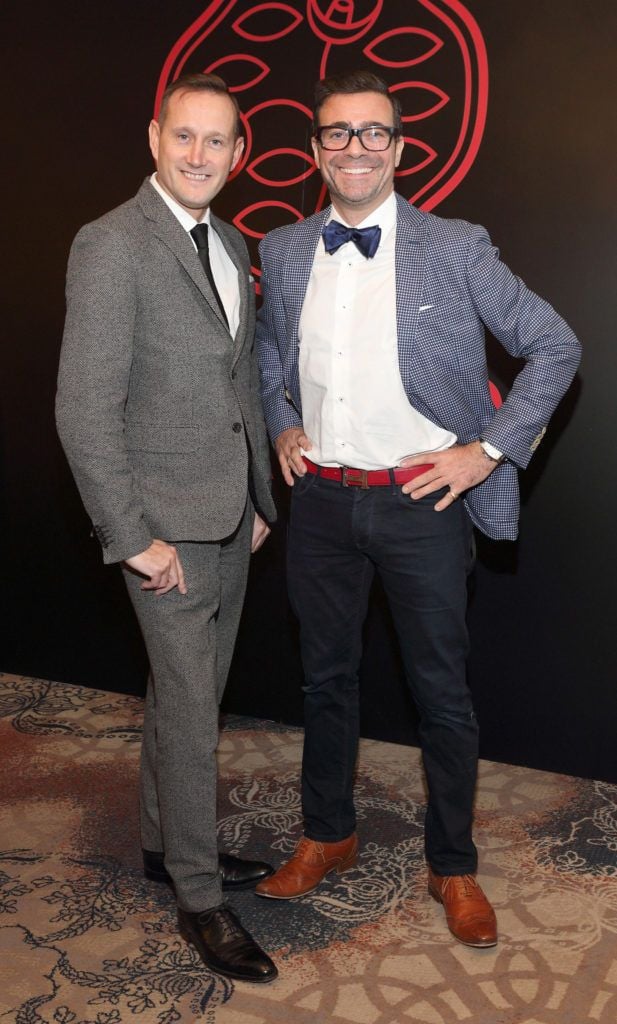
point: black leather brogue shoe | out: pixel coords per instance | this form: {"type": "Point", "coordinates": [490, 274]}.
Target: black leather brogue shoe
{"type": "Point", "coordinates": [225, 946]}
{"type": "Point", "coordinates": [242, 874]}
{"type": "Point", "coordinates": [236, 873]}
{"type": "Point", "coordinates": [154, 867]}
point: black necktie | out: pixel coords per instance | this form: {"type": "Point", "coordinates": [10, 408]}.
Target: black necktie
{"type": "Point", "coordinates": [199, 234]}
{"type": "Point", "coordinates": [366, 239]}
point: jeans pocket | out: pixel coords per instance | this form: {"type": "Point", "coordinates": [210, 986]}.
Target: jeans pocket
{"type": "Point", "coordinates": [302, 484]}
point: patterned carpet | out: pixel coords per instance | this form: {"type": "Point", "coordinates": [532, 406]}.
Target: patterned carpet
{"type": "Point", "coordinates": [85, 939]}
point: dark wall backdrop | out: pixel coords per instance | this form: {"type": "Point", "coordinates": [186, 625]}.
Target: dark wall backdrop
{"type": "Point", "coordinates": [79, 89]}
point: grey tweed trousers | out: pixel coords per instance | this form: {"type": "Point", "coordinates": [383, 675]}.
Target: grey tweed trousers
{"type": "Point", "coordinates": [190, 640]}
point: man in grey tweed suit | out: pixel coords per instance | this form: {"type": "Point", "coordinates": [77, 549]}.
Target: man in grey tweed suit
{"type": "Point", "coordinates": [158, 410]}
{"type": "Point", "coordinates": [374, 381]}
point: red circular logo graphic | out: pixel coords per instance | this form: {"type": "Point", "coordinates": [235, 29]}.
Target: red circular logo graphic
{"type": "Point", "coordinates": [431, 53]}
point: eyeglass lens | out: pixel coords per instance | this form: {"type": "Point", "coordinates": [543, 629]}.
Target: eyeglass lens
{"type": "Point", "coordinates": [374, 137]}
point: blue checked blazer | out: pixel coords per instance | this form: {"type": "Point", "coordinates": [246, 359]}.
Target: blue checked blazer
{"type": "Point", "coordinates": [450, 285]}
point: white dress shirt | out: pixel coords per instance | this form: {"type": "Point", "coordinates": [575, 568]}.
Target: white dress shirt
{"type": "Point", "coordinates": [354, 406]}
{"type": "Point", "coordinates": [224, 272]}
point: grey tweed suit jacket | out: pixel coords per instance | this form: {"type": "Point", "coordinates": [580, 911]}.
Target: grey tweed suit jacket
{"type": "Point", "coordinates": [155, 401]}
{"type": "Point", "coordinates": [450, 285]}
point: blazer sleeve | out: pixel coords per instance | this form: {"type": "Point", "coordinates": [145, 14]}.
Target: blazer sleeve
{"type": "Point", "coordinates": [273, 347]}
{"type": "Point", "coordinates": [528, 328]}
{"type": "Point", "coordinates": [93, 382]}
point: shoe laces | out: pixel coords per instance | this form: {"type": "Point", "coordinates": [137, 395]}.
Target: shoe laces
{"type": "Point", "coordinates": [465, 885]}
{"type": "Point", "coordinates": [307, 847]}
{"type": "Point", "coordinates": [228, 925]}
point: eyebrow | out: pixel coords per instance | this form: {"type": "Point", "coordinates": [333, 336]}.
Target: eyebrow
{"type": "Point", "coordinates": [363, 124]}
{"type": "Point", "coordinates": [196, 131]}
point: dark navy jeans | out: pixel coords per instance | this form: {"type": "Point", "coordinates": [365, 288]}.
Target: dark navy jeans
{"type": "Point", "coordinates": [338, 537]}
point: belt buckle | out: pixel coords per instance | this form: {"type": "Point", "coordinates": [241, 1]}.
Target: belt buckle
{"type": "Point", "coordinates": [355, 478]}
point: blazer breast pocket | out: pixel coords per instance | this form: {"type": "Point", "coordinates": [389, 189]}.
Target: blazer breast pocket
{"type": "Point", "coordinates": [446, 314]}
{"type": "Point", "coordinates": [447, 335]}
{"type": "Point", "coordinates": [441, 304]}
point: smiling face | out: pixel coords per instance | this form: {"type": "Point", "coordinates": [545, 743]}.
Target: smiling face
{"type": "Point", "coordinates": [358, 181]}
{"type": "Point", "coordinates": [195, 147]}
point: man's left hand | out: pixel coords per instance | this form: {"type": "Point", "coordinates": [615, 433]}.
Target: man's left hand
{"type": "Point", "coordinates": [260, 533]}
{"type": "Point", "coordinates": [458, 468]}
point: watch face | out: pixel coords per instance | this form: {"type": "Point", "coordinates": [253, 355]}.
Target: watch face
{"type": "Point", "coordinates": [491, 453]}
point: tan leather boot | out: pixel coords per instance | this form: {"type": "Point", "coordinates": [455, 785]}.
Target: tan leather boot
{"type": "Point", "coordinates": [470, 917]}
{"type": "Point", "coordinates": [310, 863]}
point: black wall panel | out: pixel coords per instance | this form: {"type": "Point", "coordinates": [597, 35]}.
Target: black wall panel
{"type": "Point", "coordinates": [79, 88]}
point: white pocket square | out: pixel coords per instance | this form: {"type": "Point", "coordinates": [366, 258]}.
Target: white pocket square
{"type": "Point", "coordinates": [422, 308]}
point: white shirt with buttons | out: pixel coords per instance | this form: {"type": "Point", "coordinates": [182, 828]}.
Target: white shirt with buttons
{"type": "Point", "coordinates": [354, 406]}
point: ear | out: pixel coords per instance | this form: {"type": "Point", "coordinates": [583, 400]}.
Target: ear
{"type": "Point", "coordinates": [316, 153]}
{"type": "Point", "coordinates": [154, 135]}
{"type": "Point", "coordinates": [400, 145]}
{"type": "Point", "coordinates": [238, 151]}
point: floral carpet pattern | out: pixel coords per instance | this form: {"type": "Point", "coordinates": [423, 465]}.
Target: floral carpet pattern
{"type": "Point", "coordinates": [85, 939]}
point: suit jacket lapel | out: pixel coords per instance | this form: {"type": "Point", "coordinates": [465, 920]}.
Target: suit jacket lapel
{"type": "Point", "coordinates": [298, 268]}
{"type": "Point", "coordinates": [411, 231]}
{"type": "Point", "coordinates": [172, 234]}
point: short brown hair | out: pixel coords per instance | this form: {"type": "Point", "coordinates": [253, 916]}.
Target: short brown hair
{"type": "Point", "coordinates": [200, 83]}
{"type": "Point", "coordinates": [350, 82]}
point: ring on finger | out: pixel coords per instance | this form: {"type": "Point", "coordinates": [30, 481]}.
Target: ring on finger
{"type": "Point", "coordinates": [453, 494]}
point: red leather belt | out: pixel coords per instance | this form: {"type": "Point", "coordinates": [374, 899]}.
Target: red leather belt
{"type": "Point", "coordinates": [365, 478]}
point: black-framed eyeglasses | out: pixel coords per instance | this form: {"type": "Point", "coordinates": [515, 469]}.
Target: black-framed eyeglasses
{"type": "Point", "coordinates": [375, 138]}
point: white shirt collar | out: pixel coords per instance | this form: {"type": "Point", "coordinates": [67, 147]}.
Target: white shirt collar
{"type": "Point", "coordinates": [384, 216]}
{"type": "Point", "coordinates": [186, 219]}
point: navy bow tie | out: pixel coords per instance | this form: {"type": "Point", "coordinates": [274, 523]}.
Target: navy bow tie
{"type": "Point", "coordinates": [366, 239]}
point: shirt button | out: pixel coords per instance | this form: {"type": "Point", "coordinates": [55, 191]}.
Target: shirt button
{"type": "Point", "coordinates": [237, 427]}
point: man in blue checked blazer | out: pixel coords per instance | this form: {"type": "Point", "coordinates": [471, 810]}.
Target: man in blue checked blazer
{"type": "Point", "coordinates": [375, 389]}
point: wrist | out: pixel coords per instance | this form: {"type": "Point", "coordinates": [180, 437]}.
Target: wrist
{"type": "Point", "coordinates": [491, 453]}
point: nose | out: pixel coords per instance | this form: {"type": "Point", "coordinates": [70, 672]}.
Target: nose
{"type": "Point", "coordinates": [355, 147]}
{"type": "Point", "coordinates": [195, 154]}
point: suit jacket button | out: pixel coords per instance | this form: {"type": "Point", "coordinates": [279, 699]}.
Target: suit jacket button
{"type": "Point", "coordinates": [237, 427]}
{"type": "Point", "coordinates": [233, 374]}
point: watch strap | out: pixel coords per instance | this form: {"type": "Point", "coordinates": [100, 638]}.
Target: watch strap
{"type": "Point", "coordinates": [491, 452]}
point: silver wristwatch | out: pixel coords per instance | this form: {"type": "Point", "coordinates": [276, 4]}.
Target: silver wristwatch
{"type": "Point", "coordinates": [492, 453]}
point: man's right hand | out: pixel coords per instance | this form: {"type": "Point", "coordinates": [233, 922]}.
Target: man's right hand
{"type": "Point", "coordinates": [287, 447]}
{"type": "Point", "coordinates": [161, 563]}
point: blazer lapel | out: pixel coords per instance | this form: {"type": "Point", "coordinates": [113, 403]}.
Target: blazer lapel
{"type": "Point", "coordinates": [298, 269]}
{"type": "Point", "coordinates": [172, 234]}
{"type": "Point", "coordinates": [411, 232]}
